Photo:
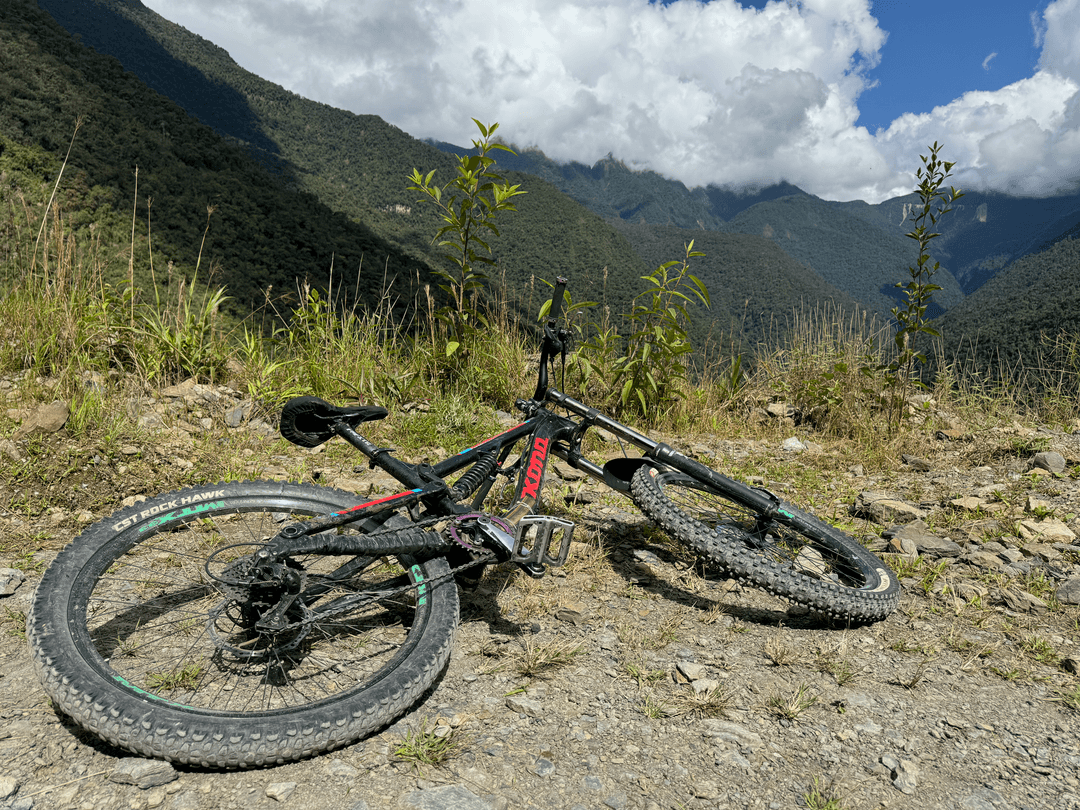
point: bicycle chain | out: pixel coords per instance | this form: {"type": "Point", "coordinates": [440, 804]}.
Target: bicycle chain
{"type": "Point", "coordinates": [483, 556]}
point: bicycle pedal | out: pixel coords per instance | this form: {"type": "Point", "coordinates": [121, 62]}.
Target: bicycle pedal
{"type": "Point", "coordinates": [533, 540]}
{"type": "Point", "coordinates": [534, 570]}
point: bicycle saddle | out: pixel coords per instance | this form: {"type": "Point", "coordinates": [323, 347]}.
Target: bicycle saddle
{"type": "Point", "coordinates": [309, 421]}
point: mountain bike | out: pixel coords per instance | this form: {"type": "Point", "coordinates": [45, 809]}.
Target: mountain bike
{"type": "Point", "coordinates": [246, 624]}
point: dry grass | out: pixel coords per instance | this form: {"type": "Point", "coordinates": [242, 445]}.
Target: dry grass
{"type": "Point", "coordinates": [541, 659]}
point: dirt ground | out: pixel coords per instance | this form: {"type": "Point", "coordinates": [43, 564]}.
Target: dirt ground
{"type": "Point", "coordinates": [636, 677]}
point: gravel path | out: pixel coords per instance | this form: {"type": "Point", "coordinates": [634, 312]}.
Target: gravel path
{"type": "Point", "coordinates": [636, 678]}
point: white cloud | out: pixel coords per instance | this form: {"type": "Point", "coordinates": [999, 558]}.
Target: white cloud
{"type": "Point", "coordinates": [1022, 139]}
{"type": "Point", "coordinates": [702, 92]}
{"type": "Point", "coordinates": [988, 60]}
{"type": "Point", "coordinates": [1061, 39]}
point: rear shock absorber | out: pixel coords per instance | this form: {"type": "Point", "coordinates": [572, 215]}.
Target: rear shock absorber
{"type": "Point", "coordinates": [476, 475]}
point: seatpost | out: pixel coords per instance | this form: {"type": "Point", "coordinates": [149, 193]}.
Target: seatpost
{"type": "Point", "coordinates": [551, 343]}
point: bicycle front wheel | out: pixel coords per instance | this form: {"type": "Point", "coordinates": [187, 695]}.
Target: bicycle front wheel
{"type": "Point", "coordinates": [140, 634]}
{"type": "Point", "coordinates": [791, 554]}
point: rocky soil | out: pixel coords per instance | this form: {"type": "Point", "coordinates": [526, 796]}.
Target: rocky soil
{"type": "Point", "coordinates": [635, 677]}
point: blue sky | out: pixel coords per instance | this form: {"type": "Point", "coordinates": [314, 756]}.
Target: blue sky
{"type": "Point", "coordinates": [836, 96]}
{"type": "Point", "coordinates": [981, 45]}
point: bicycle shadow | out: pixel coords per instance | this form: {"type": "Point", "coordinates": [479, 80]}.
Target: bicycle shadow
{"type": "Point", "coordinates": [646, 564]}
{"type": "Point", "coordinates": [676, 575]}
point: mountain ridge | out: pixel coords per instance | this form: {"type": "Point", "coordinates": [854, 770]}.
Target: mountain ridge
{"type": "Point", "coordinates": [356, 164]}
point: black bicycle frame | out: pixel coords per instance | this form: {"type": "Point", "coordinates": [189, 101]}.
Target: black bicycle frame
{"type": "Point", "coordinates": [549, 434]}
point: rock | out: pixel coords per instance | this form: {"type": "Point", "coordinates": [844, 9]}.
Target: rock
{"type": "Point", "coordinates": [1011, 555]}
{"type": "Point", "coordinates": [1041, 551]}
{"type": "Point", "coordinates": [1022, 601]}
{"type": "Point", "coordinates": [810, 561]}
{"type": "Point", "coordinates": [524, 705]}
{"type": "Point", "coordinates": [732, 733]}
{"type": "Point", "coordinates": [1050, 530]}
{"type": "Point", "coordinates": [884, 508]}
{"type": "Point", "coordinates": [567, 473]}
{"type": "Point", "coordinates": [343, 770]}
{"type": "Point", "coordinates": [1069, 592]}
{"type": "Point", "coordinates": [46, 419]}
{"type": "Point", "coordinates": [926, 542]}
{"type": "Point", "coordinates": [905, 777]}
{"type": "Point", "coordinates": [949, 435]}
{"type": "Point", "coordinates": [780, 410]}
{"type": "Point", "coordinates": [968, 503]}
{"type": "Point", "coordinates": [904, 547]}
{"type": "Point", "coordinates": [280, 791]}
{"type": "Point", "coordinates": [702, 686]}
{"type": "Point", "coordinates": [1051, 461]}
{"type": "Point", "coordinates": [1034, 504]}
{"type": "Point", "coordinates": [10, 579]}
{"type": "Point", "coordinates": [143, 773]}
{"type": "Point", "coordinates": [916, 463]}
{"type": "Point", "coordinates": [10, 449]}
{"type": "Point", "coordinates": [8, 786]}
{"type": "Point", "coordinates": [983, 559]}
{"type": "Point", "coordinates": [543, 767]}
{"type": "Point", "coordinates": [234, 417]}
{"type": "Point", "coordinates": [793, 445]}
{"type": "Point", "coordinates": [970, 591]}
{"type": "Point", "coordinates": [984, 799]}
{"type": "Point", "coordinates": [691, 670]}
{"type": "Point", "coordinates": [570, 616]}
{"type": "Point", "coordinates": [451, 797]}
{"type": "Point", "coordinates": [179, 391]}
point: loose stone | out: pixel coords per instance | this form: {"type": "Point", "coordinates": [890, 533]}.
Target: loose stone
{"type": "Point", "coordinates": [143, 773]}
{"type": "Point", "coordinates": [280, 791]}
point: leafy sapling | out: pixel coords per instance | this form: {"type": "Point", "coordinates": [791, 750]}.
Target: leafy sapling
{"type": "Point", "coordinates": [901, 373]}
{"type": "Point", "coordinates": [467, 205]}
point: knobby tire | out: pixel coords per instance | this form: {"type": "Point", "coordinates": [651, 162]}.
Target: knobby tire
{"type": "Point", "coordinates": [792, 554]}
{"type": "Point", "coordinates": [137, 642]}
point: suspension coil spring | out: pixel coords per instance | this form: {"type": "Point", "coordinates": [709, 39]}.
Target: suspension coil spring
{"type": "Point", "coordinates": [468, 483]}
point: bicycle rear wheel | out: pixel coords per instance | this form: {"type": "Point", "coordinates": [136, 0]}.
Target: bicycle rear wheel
{"type": "Point", "coordinates": [791, 554]}
{"type": "Point", "coordinates": [140, 632]}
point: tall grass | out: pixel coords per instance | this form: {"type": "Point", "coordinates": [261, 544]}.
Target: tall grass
{"type": "Point", "coordinates": [60, 319]}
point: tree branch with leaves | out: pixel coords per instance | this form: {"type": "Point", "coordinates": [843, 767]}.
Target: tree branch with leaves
{"type": "Point", "coordinates": [467, 205]}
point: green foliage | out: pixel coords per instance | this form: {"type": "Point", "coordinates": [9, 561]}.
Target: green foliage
{"type": "Point", "coordinates": [900, 374]}
{"type": "Point", "coordinates": [755, 286]}
{"type": "Point", "coordinates": [822, 795]}
{"type": "Point", "coordinates": [1020, 332]}
{"type": "Point", "coordinates": [426, 745]}
{"type": "Point", "coordinates": [266, 234]}
{"type": "Point", "coordinates": [184, 340]}
{"type": "Point", "coordinates": [655, 358]}
{"type": "Point", "coordinates": [856, 248]}
{"type": "Point", "coordinates": [467, 205]}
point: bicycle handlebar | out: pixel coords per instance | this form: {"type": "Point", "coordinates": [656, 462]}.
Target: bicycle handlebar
{"type": "Point", "coordinates": [557, 300]}
{"type": "Point", "coordinates": [551, 343]}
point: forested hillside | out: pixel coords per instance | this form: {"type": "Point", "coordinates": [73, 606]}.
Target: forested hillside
{"type": "Point", "coordinates": [260, 234]}
{"type": "Point", "coordinates": [355, 164]}
{"type": "Point", "coordinates": [865, 262]}
{"type": "Point", "coordinates": [748, 308]}
{"type": "Point", "coordinates": [615, 191]}
{"type": "Point", "coordinates": [1019, 313]}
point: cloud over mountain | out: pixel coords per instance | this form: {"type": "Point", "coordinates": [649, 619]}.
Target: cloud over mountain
{"type": "Point", "coordinates": [701, 92]}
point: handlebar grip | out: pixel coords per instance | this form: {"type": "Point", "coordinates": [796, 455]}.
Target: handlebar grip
{"type": "Point", "coordinates": [557, 298]}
